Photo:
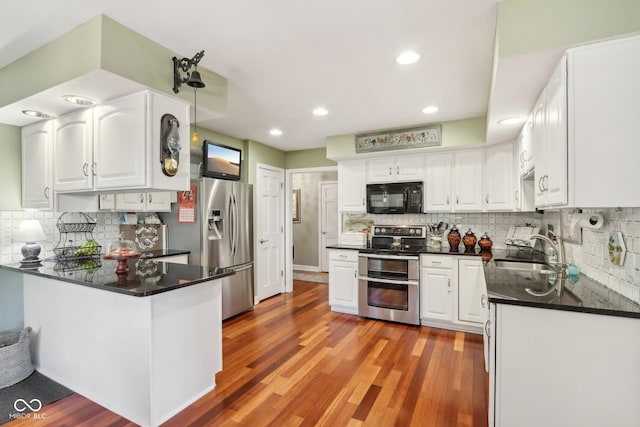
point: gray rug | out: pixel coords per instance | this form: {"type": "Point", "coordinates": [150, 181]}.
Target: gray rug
{"type": "Point", "coordinates": [26, 399]}
{"type": "Point", "coordinates": [311, 277]}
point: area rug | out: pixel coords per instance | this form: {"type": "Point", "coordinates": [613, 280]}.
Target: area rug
{"type": "Point", "coordinates": [26, 399]}
{"type": "Point", "coordinates": [311, 277]}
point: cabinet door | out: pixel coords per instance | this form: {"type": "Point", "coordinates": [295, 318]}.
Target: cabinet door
{"type": "Point", "coordinates": [467, 181]}
{"type": "Point", "coordinates": [120, 143]}
{"type": "Point", "coordinates": [470, 291]}
{"type": "Point", "coordinates": [352, 186]}
{"type": "Point", "coordinates": [73, 151]}
{"type": "Point", "coordinates": [525, 153]}
{"type": "Point", "coordinates": [159, 201]}
{"type": "Point", "coordinates": [409, 168]}
{"type": "Point", "coordinates": [130, 202]}
{"type": "Point", "coordinates": [499, 177]}
{"type": "Point", "coordinates": [107, 202]}
{"type": "Point", "coordinates": [343, 284]}
{"type": "Point", "coordinates": [438, 182]}
{"type": "Point", "coordinates": [436, 301]}
{"type": "Point", "coordinates": [539, 145]}
{"type": "Point", "coordinates": [380, 170]}
{"type": "Point", "coordinates": [37, 162]}
{"type": "Point", "coordinates": [555, 184]}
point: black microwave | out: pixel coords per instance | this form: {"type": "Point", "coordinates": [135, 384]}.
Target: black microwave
{"type": "Point", "coordinates": [395, 198]}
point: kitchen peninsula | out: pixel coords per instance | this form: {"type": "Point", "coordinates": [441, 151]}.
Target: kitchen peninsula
{"type": "Point", "coordinates": [145, 344]}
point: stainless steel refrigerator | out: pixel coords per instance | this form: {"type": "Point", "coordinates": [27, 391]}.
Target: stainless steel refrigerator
{"type": "Point", "coordinates": [221, 236]}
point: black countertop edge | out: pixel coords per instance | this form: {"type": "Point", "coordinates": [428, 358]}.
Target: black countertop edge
{"type": "Point", "coordinates": [429, 250]}
{"type": "Point", "coordinates": [159, 253]}
{"type": "Point", "coordinates": [150, 278]}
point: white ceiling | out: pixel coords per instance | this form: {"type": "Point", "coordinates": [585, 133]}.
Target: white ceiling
{"type": "Point", "coordinates": [282, 58]}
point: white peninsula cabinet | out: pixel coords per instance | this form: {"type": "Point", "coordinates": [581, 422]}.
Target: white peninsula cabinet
{"type": "Point", "coordinates": [452, 292]}
{"type": "Point", "coordinates": [560, 368]}
{"type": "Point", "coordinates": [352, 186]}
{"type": "Point", "coordinates": [37, 176]}
{"type": "Point", "coordinates": [454, 181]}
{"type": "Point", "coordinates": [395, 169]}
{"type": "Point", "coordinates": [343, 280]}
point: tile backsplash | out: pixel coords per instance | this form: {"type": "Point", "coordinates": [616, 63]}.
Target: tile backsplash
{"type": "Point", "coordinates": [106, 230]}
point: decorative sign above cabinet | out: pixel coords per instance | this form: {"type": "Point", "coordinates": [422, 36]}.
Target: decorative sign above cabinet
{"type": "Point", "coordinates": [425, 136]}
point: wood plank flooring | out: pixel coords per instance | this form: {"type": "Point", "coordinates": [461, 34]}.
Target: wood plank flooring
{"type": "Point", "coordinates": [292, 362]}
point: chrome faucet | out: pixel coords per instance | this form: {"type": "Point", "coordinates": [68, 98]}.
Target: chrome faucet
{"type": "Point", "coordinates": [560, 267]}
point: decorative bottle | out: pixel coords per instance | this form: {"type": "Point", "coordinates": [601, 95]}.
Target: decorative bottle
{"type": "Point", "coordinates": [469, 241]}
{"type": "Point", "coordinates": [454, 239]}
{"type": "Point", "coordinates": [485, 243]}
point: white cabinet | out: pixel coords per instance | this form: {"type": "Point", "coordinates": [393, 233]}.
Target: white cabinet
{"type": "Point", "coordinates": [471, 292]}
{"type": "Point", "coordinates": [454, 181]}
{"type": "Point", "coordinates": [159, 201]}
{"type": "Point", "coordinates": [547, 370]}
{"type": "Point", "coordinates": [452, 292]}
{"type": "Point", "coordinates": [395, 169]}
{"type": "Point", "coordinates": [343, 280]}
{"type": "Point", "coordinates": [498, 177]}
{"type": "Point", "coordinates": [550, 141]}
{"type": "Point", "coordinates": [352, 186]}
{"type": "Point", "coordinates": [436, 293]}
{"type": "Point", "coordinates": [107, 202]}
{"type": "Point", "coordinates": [525, 148]}
{"type": "Point", "coordinates": [37, 172]}
{"type": "Point", "coordinates": [73, 151]}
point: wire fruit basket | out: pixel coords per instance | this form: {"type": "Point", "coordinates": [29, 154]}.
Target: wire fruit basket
{"type": "Point", "coordinates": [76, 242]}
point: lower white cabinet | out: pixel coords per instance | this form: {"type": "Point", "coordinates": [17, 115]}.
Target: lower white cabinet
{"type": "Point", "coordinates": [451, 292]}
{"type": "Point", "coordinates": [562, 368]}
{"type": "Point", "coordinates": [343, 280]}
{"type": "Point", "coordinates": [159, 201]}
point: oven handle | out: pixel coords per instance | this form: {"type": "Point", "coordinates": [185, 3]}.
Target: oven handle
{"type": "Point", "coordinates": [392, 282]}
{"type": "Point", "coordinates": [399, 257]}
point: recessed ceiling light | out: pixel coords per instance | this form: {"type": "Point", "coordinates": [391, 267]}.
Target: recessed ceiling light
{"type": "Point", "coordinates": [275, 132]}
{"type": "Point", "coordinates": [38, 114]}
{"type": "Point", "coordinates": [79, 100]}
{"type": "Point", "coordinates": [430, 109]}
{"type": "Point", "coordinates": [406, 58]}
{"type": "Point", "coordinates": [512, 121]}
{"type": "Point", "coordinates": [320, 111]}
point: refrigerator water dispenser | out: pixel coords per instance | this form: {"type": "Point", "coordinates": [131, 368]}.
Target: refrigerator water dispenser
{"type": "Point", "coordinates": [216, 225]}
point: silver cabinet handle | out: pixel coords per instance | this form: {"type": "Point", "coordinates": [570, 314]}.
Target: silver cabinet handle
{"type": "Point", "coordinates": [449, 285]}
{"type": "Point", "coordinates": [262, 241]}
{"type": "Point", "coordinates": [483, 301]}
{"type": "Point", "coordinates": [516, 194]}
{"type": "Point", "coordinates": [546, 183]}
{"type": "Point", "coordinates": [355, 274]}
{"type": "Point", "coordinates": [94, 166]}
{"type": "Point", "coordinates": [363, 201]}
{"type": "Point", "coordinates": [447, 199]}
{"type": "Point", "coordinates": [540, 187]}
{"type": "Point", "coordinates": [85, 169]}
{"type": "Point", "coordinates": [46, 192]}
{"type": "Point", "coordinates": [457, 200]}
{"type": "Point", "coordinates": [397, 170]}
{"type": "Point", "coordinates": [342, 256]}
{"type": "Point", "coordinates": [487, 328]}
{"type": "Point", "coordinates": [324, 232]}
{"type": "Point", "coordinates": [150, 198]}
{"type": "Point", "coordinates": [141, 197]}
{"type": "Point", "coordinates": [389, 171]}
{"type": "Point", "coordinates": [486, 199]}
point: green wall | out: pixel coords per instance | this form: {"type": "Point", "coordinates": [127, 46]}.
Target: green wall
{"type": "Point", "coordinates": [11, 170]}
{"type": "Point", "coordinates": [260, 153]}
{"type": "Point", "coordinates": [313, 158]}
{"type": "Point", "coordinates": [527, 26]}
{"type": "Point", "coordinates": [454, 134]}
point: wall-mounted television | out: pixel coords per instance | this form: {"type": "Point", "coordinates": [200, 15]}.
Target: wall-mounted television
{"type": "Point", "coordinates": [221, 161]}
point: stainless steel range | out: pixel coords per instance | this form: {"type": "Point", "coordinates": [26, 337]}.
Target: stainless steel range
{"type": "Point", "coordinates": [389, 274]}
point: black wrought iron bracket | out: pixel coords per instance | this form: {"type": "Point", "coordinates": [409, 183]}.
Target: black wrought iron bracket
{"type": "Point", "coordinates": [185, 65]}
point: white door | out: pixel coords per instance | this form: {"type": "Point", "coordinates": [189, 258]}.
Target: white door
{"type": "Point", "coordinates": [328, 220]}
{"type": "Point", "coordinates": [269, 231]}
{"type": "Point", "coordinates": [436, 297]}
{"type": "Point", "coordinates": [73, 151]}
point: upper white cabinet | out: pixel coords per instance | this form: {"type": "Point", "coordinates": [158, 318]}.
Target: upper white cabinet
{"type": "Point", "coordinates": [159, 201]}
{"type": "Point", "coordinates": [604, 107]}
{"type": "Point", "coordinates": [73, 151]}
{"type": "Point", "coordinates": [550, 141]}
{"type": "Point", "coordinates": [37, 175]}
{"type": "Point", "coordinates": [454, 181]}
{"type": "Point", "coordinates": [498, 177]}
{"type": "Point", "coordinates": [525, 148]}
{"type": "Point", "coordinates": [352, 186]}
{"type": "Point", "coordinates": [395, 169]}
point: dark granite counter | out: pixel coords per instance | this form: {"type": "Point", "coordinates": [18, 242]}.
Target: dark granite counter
{"type": "Point", "coordinates": [159, 253]}
{"type": "Point", "coordinates": [147, 276]}
{"type": "Point", "coordinates": [579, 293]}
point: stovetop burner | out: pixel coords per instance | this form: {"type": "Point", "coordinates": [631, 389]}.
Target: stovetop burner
{"type": "Point", "coordinates": [401, 240]}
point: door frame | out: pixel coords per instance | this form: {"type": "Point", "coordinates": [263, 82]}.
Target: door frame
{"type": "Point", "coordinates": [286, 217]}
{"type": "Point", "coordinates": [320, 249]}
{"type": "Point", "coordinates": [288, 229]}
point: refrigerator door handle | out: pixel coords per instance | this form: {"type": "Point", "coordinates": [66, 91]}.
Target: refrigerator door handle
{"type": "Point", "coordinates": [231, 224]}
{"type": "Point", "coordinates": [246, 267]}
{"type": "Point", "coordinates": [236, 225]}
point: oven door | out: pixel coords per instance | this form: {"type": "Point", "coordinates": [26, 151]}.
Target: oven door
{"type": "Point", "coordinates": [391, 267]}
{"type": "Point", "coordinates": [397, 301]}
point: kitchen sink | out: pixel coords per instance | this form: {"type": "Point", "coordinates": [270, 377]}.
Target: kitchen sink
{"type": "Point", "coordinates": [533, 267]}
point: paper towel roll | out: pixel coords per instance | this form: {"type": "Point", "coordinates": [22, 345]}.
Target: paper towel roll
{"type": "Point", "coordinates": [591, 221]}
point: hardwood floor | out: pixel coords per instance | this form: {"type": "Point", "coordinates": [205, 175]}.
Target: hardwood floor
{"type": "Point", "coordinates": [292, 362]}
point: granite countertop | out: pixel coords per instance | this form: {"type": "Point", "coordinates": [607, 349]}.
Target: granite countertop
{"type": "Point", "coordinates": [147, 276]}
{"type": "Point", "coordinates": [580, 293]}
{"type": "Point", "coordinates": [159, 253]}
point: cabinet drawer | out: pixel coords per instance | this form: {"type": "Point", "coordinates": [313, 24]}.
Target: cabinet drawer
{"type": "Point", "coordinates": [436, 261]}
{"type": "Point", "coordinates": [343, 255]}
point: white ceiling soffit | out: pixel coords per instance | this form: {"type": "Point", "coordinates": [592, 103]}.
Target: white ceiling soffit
{"type": "Point", "coordinates": [283, 59]}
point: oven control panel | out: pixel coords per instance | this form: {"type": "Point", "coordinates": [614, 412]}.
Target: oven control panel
{"type": "Point", "coordinates": [400, 230]}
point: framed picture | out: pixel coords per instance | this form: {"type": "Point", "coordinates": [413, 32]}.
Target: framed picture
{"type": "Point", "coordinates": [571, 236]}
{"type": "Point", "coordinates": [295, 205]}
{"type": "Point", "coordinates": [617, 248]}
